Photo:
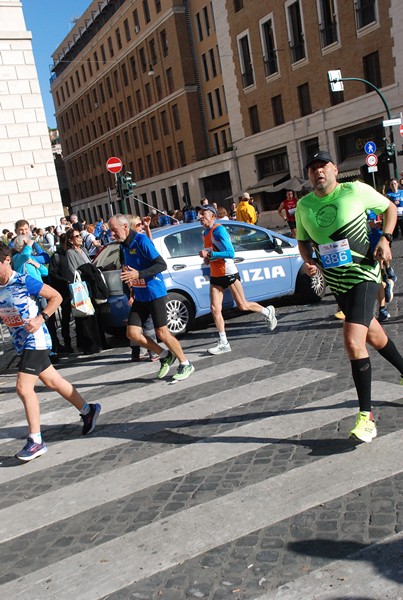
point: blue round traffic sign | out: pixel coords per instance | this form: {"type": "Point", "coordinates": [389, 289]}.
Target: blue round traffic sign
{"type": "Point", "coordinates": [370, 147]}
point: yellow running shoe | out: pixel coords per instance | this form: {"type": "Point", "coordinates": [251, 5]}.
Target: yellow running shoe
{"type": "Point", "coordinates": [364, 429]}
{"type": "Point", "coordinates": [340, 315]}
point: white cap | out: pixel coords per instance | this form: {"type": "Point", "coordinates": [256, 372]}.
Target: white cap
{"type": "Point", "coordinates": [246, 196]}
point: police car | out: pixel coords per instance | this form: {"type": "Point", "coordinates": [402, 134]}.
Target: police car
{"type": "Point", "coordinates": [269, 264]}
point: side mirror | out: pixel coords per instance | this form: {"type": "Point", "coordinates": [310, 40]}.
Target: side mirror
{"type": "Point", "coordinates": [277, 246]}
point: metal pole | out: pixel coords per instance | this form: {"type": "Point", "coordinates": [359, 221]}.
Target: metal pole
{"type": "Point", "coordinates": [382, 97]}
{"type": "Point", "coordinates": [110, 201]}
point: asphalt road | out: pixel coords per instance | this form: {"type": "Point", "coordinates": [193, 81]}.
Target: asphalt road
{"type": "Point", "coordinates": [239, 482]}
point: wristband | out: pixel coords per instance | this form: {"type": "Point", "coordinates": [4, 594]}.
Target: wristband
{"type": "Point", "coordinates": [388, 236]}
{"type": "Point", "coordinates": [45, 316]}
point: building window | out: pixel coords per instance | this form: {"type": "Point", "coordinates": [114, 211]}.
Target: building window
{"type": "Point", "coordinates": [153, 52]}
{"type": "Point", "coordinates": [140, 168]}
{"type": "Point", "coordinates": [136, 21]}
{"type": "Point", "coordinates": [212, 62]}
{"type": "Point", "coordinates": [103, 54]}
{"type": "Point", "coordinates": [224, 142]}
{"type": "Point", "coordinates": [372, 71]}
{"type": "Point", "coordinates": [107, 122]}
{"type": "Point", "coordinates": [109, 87]}
{"type": "Point", "coordinates": [254, 119]}
{"type": "Point", "coordinates": [100, 126]}
{"type": "Point", "coordinates": [164, 123]}
{"type": "Point", "coordinates": [327, 22]}
{"type": "Point", "coordinates": [125, 77]}
{"type": "Point", "coordinates": [157, 6]}
{"type": "Point", "coordinates": [143, 60]}
{"type": "Point", "coordinates": [78, 79]}
{"type": "Point", "coordinates": [170, 80]}
{"type": "Point", "coordinates": [295, 31]}
{"type": "Point", "coordinates": [181, 154]}
{"type": "Point", "coordinates": [126, 27]}
{"type": "Point", "coordinates": [164, 43]}
{"type": "Point", "coordinates": [144, 132]}
{"type": "Point", "coordinates": [146, 11]}
{"type": "Point", "coordinates": [158, 87]}
{"type": "Point", "coordinates": [73, 87]}
{"type": "Point", "coordinates": [175, 117]}
{"type": "Point", "coordinates": [216, 144]}
{"type": "Point", "coordinates": [118, 38]}
{"type": "Point", "coordinates": [154, 128]}
{"type": "Point", "coordinates": [116, 80]}
{"type": "Point", "coordinates": [160, 164]}
{"type": "Point", "coordinates": [110, 47]}
{"type": "Point", "coordinates": [96, 61]}
{"type": "Point", "coordinates": [83, 73]}
{"type": "Point", "coordinates": [122, 112]}
{"type": "Point", "coordinates": [133, 69]}
{"type": "Point", "coordinates": [114, 117]}
{"type": "Point", "coordinates": [211, 105]}
{"type": "Point", "coordinates": [199, 27]}
{"type": "Point", "coordinates": [139, 101]}
{"type": "Point", "coordinates": [335, 97]}
{"type": "Point", "coordinates": [205, 67]}
{"type": "Point", "coordinates": [218, 101]}
{"type": "Point", "coordinates": [148, 94]}
{"type": "Point", "coordinates": [130, 106]}
{"type": "Point", "coordinates": [206, 20]}
{"type": "Point", "coordinates": [366, 12]}
{"type": "Point", "coordinates": [135, 137]}
{"type": "Point", "coordinates": [150, 167]}
{"type": "Point", "coordinates": [277, 108]}
{"type": "Point", "coordinates": [170, 157]}
{"type": "Point", "coordinates": [238, 5]}
{"type": "Point", "coordinates": [102, 93]}
{"type": "Point", "coordinates": [246, 62]}
{"type": "Point", "coordinates": [95, 98]}
{"type": "Point", "coordinates": [304, 99]}
{"type": "Point", "coordinates": [269, 48]}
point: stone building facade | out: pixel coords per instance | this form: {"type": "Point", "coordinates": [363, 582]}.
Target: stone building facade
{"type": "Point", "coordinates": [28, 183]}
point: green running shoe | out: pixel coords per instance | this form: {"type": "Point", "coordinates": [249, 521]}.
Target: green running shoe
{"type": "Point", "coordinates": [364, 429]}
{"type": "Point", "coordinates": [165, 364]}
{"type": "Point", "coordinates": [183, 372]}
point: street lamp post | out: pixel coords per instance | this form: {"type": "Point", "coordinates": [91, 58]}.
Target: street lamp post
{"type": "Point", "coordinates": [335, 77]}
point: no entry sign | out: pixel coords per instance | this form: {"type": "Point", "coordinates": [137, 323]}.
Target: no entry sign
{"type": "Point", "coordinates": [114, 164]}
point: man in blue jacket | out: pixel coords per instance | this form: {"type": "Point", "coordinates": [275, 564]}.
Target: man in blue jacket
{"type": "Point", "coordinates": [142, 272]}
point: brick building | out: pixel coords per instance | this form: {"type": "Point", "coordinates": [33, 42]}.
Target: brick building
{"type": "Point", "coordinates": [211, 98]}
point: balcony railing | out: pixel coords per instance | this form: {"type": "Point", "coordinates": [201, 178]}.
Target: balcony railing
{"type": "Point", "coordinates": [270, 65]}
{"type": "Point", "coordinates": [248, 78]}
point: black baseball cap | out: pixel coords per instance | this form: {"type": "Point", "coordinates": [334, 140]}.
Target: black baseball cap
{"type": "Point", "coordinates": [210, 208]}
{"type": "Point", "coordinates": [322, 155]}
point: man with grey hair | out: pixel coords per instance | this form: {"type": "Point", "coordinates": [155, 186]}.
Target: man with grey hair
{"type": "Point", "coordinates": [142, 272]}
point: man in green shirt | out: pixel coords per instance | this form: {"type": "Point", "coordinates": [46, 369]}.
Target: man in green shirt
{"type": "Point", "coordinates": [331, 221]}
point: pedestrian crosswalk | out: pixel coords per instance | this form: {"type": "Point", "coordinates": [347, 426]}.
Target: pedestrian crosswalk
{"type": "Point", "coordinates": [165, 497]}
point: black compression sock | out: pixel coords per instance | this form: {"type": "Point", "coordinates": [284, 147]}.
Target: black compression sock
{"type": "Point", "coordinates": [392, 355]}
{"type": "Point", "coordinates": [361, 370]}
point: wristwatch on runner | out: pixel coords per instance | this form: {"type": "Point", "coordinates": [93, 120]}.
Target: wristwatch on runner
{"type": "Point", "coordinates": [388, 236]}
{"type": "Point", "coordinates": [45, 316]}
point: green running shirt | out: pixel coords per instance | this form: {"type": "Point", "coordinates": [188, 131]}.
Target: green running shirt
{"type": "Point", "coordinates": [342, 216]}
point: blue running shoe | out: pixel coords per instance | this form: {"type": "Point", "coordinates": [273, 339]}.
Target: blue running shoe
{"type": "Point", "coordinates": [31, 450]}
{"type": "Point", "coordinates": [390, 284]}
{"type": "Point", "coordinates": [90, 420]}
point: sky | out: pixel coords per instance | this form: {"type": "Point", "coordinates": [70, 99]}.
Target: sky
{"type": "Point", "coordinates": [49, 23]}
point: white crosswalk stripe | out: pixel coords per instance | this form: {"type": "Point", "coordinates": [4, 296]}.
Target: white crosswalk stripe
{"type": "Point", "coordinates": [189, 533]}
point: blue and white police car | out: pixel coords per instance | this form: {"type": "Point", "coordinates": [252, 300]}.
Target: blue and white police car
{"type": "Point", "coordinates": [269, 264]}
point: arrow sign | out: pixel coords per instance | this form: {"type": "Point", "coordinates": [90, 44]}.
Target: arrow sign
{"type": "Point", "coordinates": [114, 164]}
{"type": "Point", "coordinates": [371, 160]}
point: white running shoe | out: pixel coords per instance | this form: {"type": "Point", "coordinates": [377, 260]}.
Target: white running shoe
{"type": "Point", "coordinates": [220, 348]}
{"type": "Point", "coordinates": [271, 320]}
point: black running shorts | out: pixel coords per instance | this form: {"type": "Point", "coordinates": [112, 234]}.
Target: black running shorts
{"type": "Point", "coordinates": [225, 281]}
{"type": "Point", "coordinates": [140, 311]}
{"type": "Point", "coordinates": [359, 302]}
{"type": "Point", "coordinates": [34, 362]}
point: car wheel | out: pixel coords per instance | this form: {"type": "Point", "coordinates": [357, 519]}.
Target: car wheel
{"type": "Point", "coordinates": [310, 289]}
{"type": "Point", "coordinates": [180, 313]}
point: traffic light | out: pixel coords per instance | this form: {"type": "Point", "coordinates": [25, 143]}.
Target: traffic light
{"type": "Point", "coordinates": [127, 183]}
{"type": "Point", "coordinates": [390, 150]}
